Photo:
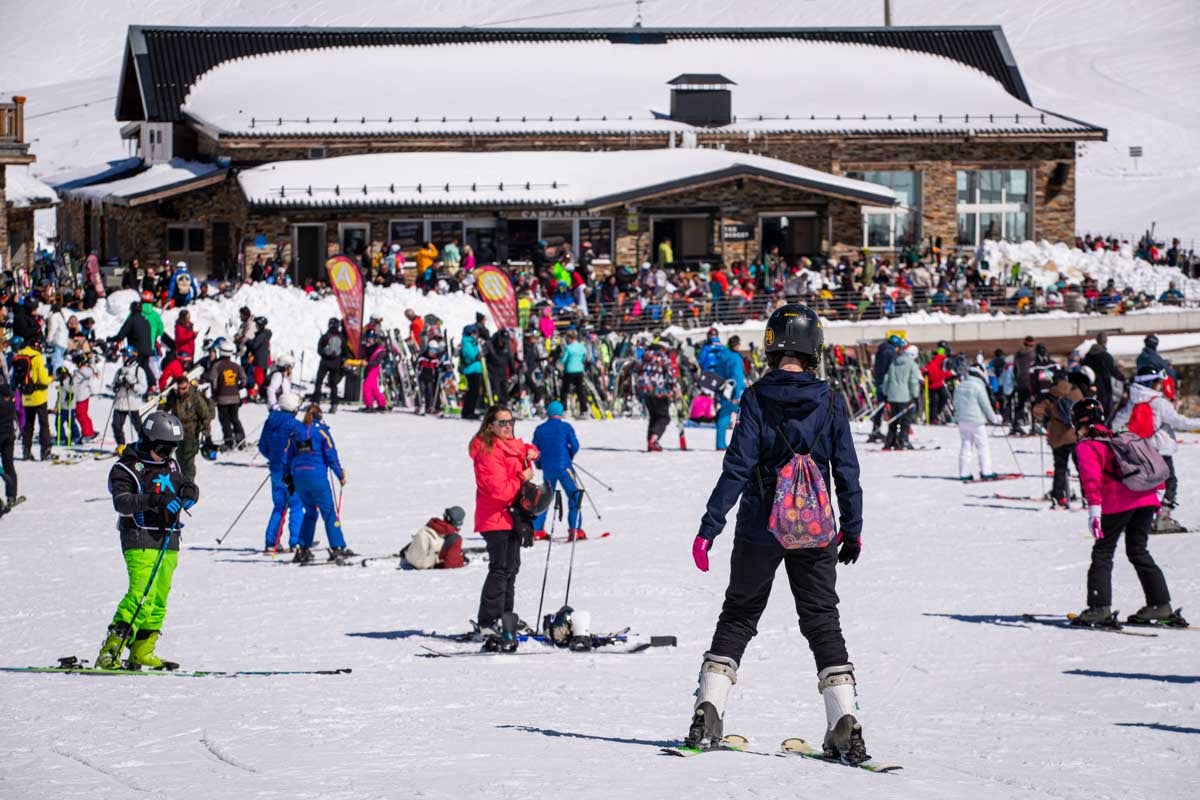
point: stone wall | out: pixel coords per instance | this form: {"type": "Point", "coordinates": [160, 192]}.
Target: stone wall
{"type": "Point", "coordinates": [4, 218]}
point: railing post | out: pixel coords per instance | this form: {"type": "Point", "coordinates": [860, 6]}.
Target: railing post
{"type": "Point", "coordinates": [19, 118]}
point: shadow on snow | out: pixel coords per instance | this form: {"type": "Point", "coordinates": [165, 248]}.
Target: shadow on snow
{"type": "Point", "coordinates": [1137, 676]}
{"type": "Point", "coordinates": [590, 737]}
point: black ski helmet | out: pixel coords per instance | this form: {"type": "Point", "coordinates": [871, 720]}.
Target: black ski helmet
{"type": "Point", "coordinates": [162, 427]}
{"type": "Point", "coordinates": [794, 328]}
{"type": "Point", "coordinates": [1151, 341]}
{"type": "Point", "coordinates": [1087, 412]}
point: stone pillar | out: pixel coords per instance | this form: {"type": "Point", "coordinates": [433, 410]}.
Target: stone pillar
{"type": "Point", "coordinates": [1053, 204]}
{"type": "Point", "coordinates": [939, 201]}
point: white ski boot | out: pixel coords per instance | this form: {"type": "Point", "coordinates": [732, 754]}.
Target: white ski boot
{"type": "Point", "coordinates": [843, 735]}
{"type": "Point", "coordinates": [718, 674]}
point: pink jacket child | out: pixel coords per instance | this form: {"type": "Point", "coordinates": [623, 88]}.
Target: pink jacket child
{"type": "Point", "coordinates": [1115, 509]}
{"type": "Point", "coordinates": [373, 397]}
{"type": "Point", "coordinates": [546, 323]}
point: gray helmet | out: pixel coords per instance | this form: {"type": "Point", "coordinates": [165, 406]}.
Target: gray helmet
{"type": "Point", "coordinates": [455, 516]}
{"type": "Point", "coordinates": [161, 427]}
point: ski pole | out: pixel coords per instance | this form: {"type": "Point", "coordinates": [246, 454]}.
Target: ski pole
{"type": "Point", "coordinates": [107, 422]}
{"type": "Point", "coordinates": [592, 476]}
{"type": "Point", "coordinates": [555, 516]}
{"type": "Point", "coordinates": [244, 508]}
{"type": "Point", "coordinates": [583, 491]}
{"type": "Point", "coordinates": [1042, 461]}
{"type": "Point", "coordinates": [1014, 453]}
{"type": "Point", "coordinates": [570, 568]}
{"type": "Point", "coordinates": [279, 533]}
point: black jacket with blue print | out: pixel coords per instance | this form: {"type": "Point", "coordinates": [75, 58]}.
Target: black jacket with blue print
{"type": "Point", "coordinates": [131, 482]}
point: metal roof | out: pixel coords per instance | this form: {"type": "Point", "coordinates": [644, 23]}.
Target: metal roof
{"type": "Point", "coordinates": [706, 78]}
{"type": "Point", "coordinates": [162, 63]}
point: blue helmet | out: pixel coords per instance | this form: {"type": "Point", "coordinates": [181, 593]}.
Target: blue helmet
{"type": "Point", "coordinates": [895, 340]}
{"type": "Point", "coordinates": [17, 342]}
{"type": "Point", "coordinates": [554, 409]}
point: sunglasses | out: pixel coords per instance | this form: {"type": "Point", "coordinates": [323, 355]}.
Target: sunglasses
{"type": "Point", "coordinates": [504, 423]}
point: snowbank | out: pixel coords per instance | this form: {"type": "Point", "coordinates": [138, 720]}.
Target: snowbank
{"type": "Point", "coordinates": [1042, 262]}
{"type": "Point", "coordinates": [295, 320]}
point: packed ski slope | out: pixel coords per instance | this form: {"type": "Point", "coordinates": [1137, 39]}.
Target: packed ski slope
{"type": "Point", "coordinates": [953, 686]}
{"type": "Point", "coordinates": [1128, 65]}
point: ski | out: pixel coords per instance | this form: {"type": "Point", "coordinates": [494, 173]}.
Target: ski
{"type": "Point", "coordinates": [567, 539]}
{"type": "Point", "coordinates": [72, 665]}
{"type": "Point", "coordinates": [547, 649]}
{"type": "Point", "coordinates": [731, 743]}
{"type": "Point", "coordinates": [799, 747]}
{"type": "Point", "coordinates": [1068, 621]}
{"type": "Point", "coordinates": [913, 449]}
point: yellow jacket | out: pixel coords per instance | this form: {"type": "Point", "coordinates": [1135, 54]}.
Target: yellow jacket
{"type": "Point", "coordinates": [38, 375]}
{"type": "Point", "coordinates": [425, 257]}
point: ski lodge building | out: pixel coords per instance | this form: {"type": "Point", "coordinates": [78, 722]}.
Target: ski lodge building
{"type": "Point", "coordinates": [20, 193]}
{"type": "Point", "coordinates": [729, 142]}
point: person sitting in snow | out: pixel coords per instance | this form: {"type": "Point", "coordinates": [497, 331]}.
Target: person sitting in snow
{"type": "Point", "coordinates": [437, 544]}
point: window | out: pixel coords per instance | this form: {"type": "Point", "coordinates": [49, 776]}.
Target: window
{"type": "Point", "coordinates": [599, 234]}
{"type": "Point", "coordinates": [892, 228]}
{"type": "Point", "coordinates": [557, 232]}
{"type": "Point", "coordinates": [184, 239]}
{"type": "Point", "coordinates": [408, 233]}
{"type": "Point", "coordinates": [522, 239]}
{"type": "Point", "coordinates": [444, 231]}
{"type": "Point", "coordinates": [993, 204]}
{"type": "Point", "coordinates": [316, 152]}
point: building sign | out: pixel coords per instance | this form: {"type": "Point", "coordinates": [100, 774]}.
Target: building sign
{"type": "Point", "coordinates": [631, 222]}
{"type": "Point", "coordinates": [559, 213]}
{"type": "Point", "coordinates": [737, 233]}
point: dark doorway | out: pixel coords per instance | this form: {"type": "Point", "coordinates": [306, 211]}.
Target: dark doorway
{"type": "Point", "coordinates": [309, 253]}
{"type": "Point", "coordinates": [221, 262]}
{"type": "Point", "coordinates": [795, 236]}
{"type": "Point", "coordinates": [689, 238]}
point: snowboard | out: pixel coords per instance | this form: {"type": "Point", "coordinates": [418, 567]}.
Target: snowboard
{"type": "Point", "coordinates": [732, 742]}
{"type": "Point", "coordinates": [799, 747]}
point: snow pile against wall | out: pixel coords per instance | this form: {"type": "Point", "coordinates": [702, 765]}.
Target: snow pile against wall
{"type": "Point", "coordinates": [296, 322]}
{"type": "Point", "coordinates": [1042, 262]}
{"type": "Point", "coordinates": [23, 190]}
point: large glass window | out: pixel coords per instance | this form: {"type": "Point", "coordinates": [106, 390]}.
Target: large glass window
{"type": "Point", "coordinates": [993, 204]}
{"type": "Point", "coordinates": [444, 231]}
{"type": "Point", "coordinates": [599, 234]}
{"type": "Point", "coordinates": [408, 233]}
{"type": "Point", "coordinates": [522, 237]}
{"type": "Point", "coordinates": [892, 228]}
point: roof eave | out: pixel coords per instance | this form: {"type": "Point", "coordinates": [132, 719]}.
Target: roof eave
{"type": "Point", "coordinates": [170, 190]}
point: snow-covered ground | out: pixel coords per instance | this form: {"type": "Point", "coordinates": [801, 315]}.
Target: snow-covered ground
{"type": "Point", "coordinates": [971, 702]}
{"type": "Point", "coordinates": [1128, 65]}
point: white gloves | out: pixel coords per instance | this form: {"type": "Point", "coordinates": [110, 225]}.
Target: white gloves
{"type": "Point", "coordinates": [1094, 513]}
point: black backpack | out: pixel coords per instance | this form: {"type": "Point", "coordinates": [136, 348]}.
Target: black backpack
{"type": "Point", "coordinates": [22, 369]}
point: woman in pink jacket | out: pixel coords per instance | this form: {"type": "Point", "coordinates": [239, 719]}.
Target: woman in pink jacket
{"type": "Point", "coordinates": [502, 465]}
{"type": "Point", "coordinates": [1113, 509]}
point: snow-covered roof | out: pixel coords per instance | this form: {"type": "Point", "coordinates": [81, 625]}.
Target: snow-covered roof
{"type": "Point", "coordinates": [22, 190]}
{"type": "Point", "coordinates": [605, 87]}
{"type": "Point", "coordinates": [526, 178]}
{"type": "Point", "coordinates": [177, 175]}
{"type": "Point", "coordinates": [95, 173]}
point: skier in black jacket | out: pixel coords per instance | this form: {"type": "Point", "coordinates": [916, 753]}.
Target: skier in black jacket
{"type": "Point", "coordinates": [137, 334]}
{"type": "Point", "coordinates": [331, 348]}
{"type": "Point", "coordinates": [884, 356]}
{"type": "Point", "coordinates": [789, 401]}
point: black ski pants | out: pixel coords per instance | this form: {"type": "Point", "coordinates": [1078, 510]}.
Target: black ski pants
{"type": "Point", "coordinates": [500, 585]}
{"type": "Point", "coordinates": [1020, 408]}
{"type": "Point", "coordinates": [40, 415]}
{"type": "Point", "coordinates": [119, 417]}
{"type": "Point", "coordinates": [898, 428]}
{"type": "Point", "coordinates": [574, 381]}
{"type": "Point", "coordinates": [471, 395]}
{"type": "Point", "coordinates": [331, 375]}
{"type": "Point", "coordinates": [812, 575]}
{"type": "Point", "coordinates": [429, 399]}
{"type": "Point", "coordinates": [231, 425]}
{"type": "Point", "coordinates": [1135, 524]}
{"type": "Point", "coordinates": [10, 468]}
{"type": "Point", "coordinates": [659, 409]}
{"type": "Point", "coordinates": [1063, 455]}
{"type": "Point", "coordinates": [1172, 482]}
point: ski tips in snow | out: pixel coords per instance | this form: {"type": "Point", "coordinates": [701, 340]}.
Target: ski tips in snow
{"type": "Point", "coordinates": [799, 747]}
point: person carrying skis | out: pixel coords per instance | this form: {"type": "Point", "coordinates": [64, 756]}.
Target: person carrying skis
{"type": "Point", "coordinates": [1152, 416]}
{"type": "Point", "coordinates": [227, 379]}
{"type": "Point", "coordinates": [658, 387]}
{"type": "Point", "coordinates": [309, 455]}
{"type": "Point", "coordinates": [1113, 509]}
{"type": "Point", "coordinates": [149, 493]}
{"type": "Point", "coordinates": [555, 440]}
{"type": "Point", "coordinates": [279, 428]}
{"type": "Point", "coordinates": [437, 544]}
{"type": "Point", "coordinates": [129, 387]}
{"type": "Point", "coordinates": [502, 466]}
{"type": "Point", "coordinates": [972, 412]}
{"type": "Point", "coordinates": [901, 386]}
{"type": "Point", "coordinates": [786, 412]}
{"type": "Point", "coordinates": [195, 414]}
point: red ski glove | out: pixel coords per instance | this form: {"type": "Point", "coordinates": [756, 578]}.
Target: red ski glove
{"type": "Point", "coordinates": [700, 547]}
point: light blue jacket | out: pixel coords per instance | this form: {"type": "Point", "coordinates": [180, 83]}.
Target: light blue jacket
{"type": "Point", "coordinates": [573, 358]}
{"type": "Point", "coordinates": [971, 402]}
{"type": "Point", "coordinates": [902, 384]}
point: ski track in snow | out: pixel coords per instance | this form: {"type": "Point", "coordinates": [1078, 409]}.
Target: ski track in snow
{"type": "Point", "coordinates": [953, 685]}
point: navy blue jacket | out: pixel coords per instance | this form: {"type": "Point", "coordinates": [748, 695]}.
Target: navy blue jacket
{"type": "Point", "coordinates": [884, 356]}
{"type": "Point", "coordinates": [797, 402]}
{"type": "Point", "coordinates": [1151, 358]}
{"type": "Point", "coordinates": [556, 442]}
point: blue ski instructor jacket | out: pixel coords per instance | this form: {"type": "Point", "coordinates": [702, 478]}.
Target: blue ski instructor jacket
{"type": "Point", "coordinates": [800, 404]}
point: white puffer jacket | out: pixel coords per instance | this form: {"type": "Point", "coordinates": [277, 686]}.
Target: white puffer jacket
{"type": "Point", "coordinates": [1166, 419]}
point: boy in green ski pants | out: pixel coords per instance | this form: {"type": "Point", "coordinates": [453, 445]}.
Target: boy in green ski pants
{"type": "Point", "coordinates": [149, 493]}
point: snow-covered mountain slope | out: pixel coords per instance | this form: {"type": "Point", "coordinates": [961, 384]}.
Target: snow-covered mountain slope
{"type": "Point", "coordinates": [952, 684]}
{"type": "Point", "coordinates": [1132, 66]}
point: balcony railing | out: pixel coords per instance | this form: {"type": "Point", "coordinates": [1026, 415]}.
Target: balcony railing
{"type": "Point", "coordinates": [12, 121]}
